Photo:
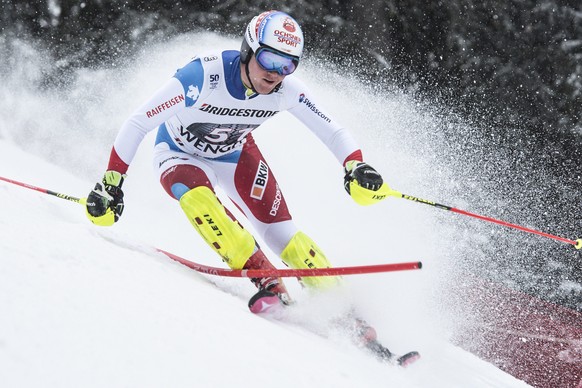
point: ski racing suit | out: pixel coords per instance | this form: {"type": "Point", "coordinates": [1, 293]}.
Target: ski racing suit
{"type": "Point", "coordinates": [204, 117]}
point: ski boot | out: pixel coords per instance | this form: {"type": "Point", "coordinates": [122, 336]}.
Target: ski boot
{"type": "Point", "coordinates": [272, 294]}
{"type": "Point", "coordinates": [270, 298]}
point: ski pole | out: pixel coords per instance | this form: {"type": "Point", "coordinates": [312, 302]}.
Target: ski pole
{"type": "Point", "coordinates": [577, 243]}
{"type": "Point", "coordinates": [45, 191]}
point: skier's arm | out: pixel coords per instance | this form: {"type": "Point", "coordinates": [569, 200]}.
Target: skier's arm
{"type": "Point", "coordinates": [361, 181]}
{"type": "Point", "coordinates": [105, 202]}
{"type": "Point", "coordinates": [165, 103]}
{"type": "Point", "coordinates": [336, 138]}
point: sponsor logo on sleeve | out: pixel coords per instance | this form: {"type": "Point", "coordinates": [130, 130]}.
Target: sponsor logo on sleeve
{"type": "Point", "coordinates": [166, 105]}
{"type": "Point", "coordinates": [312, 107]}
{"type": "Point", "coordinates": [260, 181]}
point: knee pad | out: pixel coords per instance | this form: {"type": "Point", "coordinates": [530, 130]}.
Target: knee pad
{"type": "Point", "coordinates": [224, 235]}
{"type": "Point", "coordinates": [301, 252]}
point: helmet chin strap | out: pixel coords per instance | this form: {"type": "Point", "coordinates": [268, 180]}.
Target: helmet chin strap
{"type": "Point", "coordinates": [276, 88]}
{"type": "Point", "coordinates": [249, 78]}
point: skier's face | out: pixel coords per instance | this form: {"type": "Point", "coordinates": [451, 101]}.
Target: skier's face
{"type": "Point", "coordinates": [264, 81]}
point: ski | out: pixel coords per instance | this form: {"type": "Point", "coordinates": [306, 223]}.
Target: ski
{"type": "Point", "coordinates": [385, 355]}
{"type": "Point", "coordinates": [408, 359]}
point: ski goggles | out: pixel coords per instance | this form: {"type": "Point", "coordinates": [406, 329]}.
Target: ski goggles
{"type": "Point", "coordinates": [271, 60]}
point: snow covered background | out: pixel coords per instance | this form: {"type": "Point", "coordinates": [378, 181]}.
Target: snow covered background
{"type": "Point", "coordinates": [96, 307]}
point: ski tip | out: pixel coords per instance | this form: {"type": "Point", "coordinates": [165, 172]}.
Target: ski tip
{"type": "Point", "coordinates": [408, 359]}
{"type": "Point", "coordinates": [419, 264]}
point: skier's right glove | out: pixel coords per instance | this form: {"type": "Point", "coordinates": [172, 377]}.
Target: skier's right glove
{"type": "Point", "coordinates": [105, 202]}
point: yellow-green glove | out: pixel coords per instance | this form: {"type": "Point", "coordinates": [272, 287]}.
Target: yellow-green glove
{"type": "Point", "coordinates": [364, 184]}
{"type": "Point", "coordinates": [105, 202]}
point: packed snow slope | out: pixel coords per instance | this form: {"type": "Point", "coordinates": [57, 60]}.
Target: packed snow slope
{"type": "Point", "coordinates": [90, 307]}
{"type": "Point", "coordinates": [83, 306]}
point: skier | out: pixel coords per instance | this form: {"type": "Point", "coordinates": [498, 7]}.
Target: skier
{"type": "Point", "coordinates": [205, 115]}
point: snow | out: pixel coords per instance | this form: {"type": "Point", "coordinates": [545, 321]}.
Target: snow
{"type": "Point", "coordinates": [97, 307]}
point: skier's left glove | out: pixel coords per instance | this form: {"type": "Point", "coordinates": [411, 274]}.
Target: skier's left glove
{"type": "Point", "coordinates": [364, 184]}
{"type": "Point", "coordinates": [105, 202]}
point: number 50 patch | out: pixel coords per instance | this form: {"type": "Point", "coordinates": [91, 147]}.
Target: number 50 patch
{"type": "Point", "coordinates": [260, 181]}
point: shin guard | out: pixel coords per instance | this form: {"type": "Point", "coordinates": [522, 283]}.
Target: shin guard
{"type": "Point", "coordinates": [302, 252]}
{"type": "Point", "coordinates": [224, 235]}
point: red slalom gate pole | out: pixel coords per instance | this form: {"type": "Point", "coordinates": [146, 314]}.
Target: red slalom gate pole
{"type": "Point", "coordinates": [287, 273]}
{"type": "Point", "coordinates": [576, 243]}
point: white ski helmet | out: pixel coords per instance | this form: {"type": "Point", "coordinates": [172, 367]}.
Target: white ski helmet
{"type": "Point", "coordinates": [276, 30]}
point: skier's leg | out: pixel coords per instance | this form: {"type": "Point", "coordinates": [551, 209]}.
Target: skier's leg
{"type": "Point", "coordinates": [302, 252]}
{"type": "Point", "coordinates": [187, 179]}
{"type": "Point", "coordinates": [228, 238]}
{"type": "Point", "coordinates": [224, 235]}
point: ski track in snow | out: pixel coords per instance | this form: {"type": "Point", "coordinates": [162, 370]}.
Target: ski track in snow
{"type": "Point", "coordinates": [83, 306]}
